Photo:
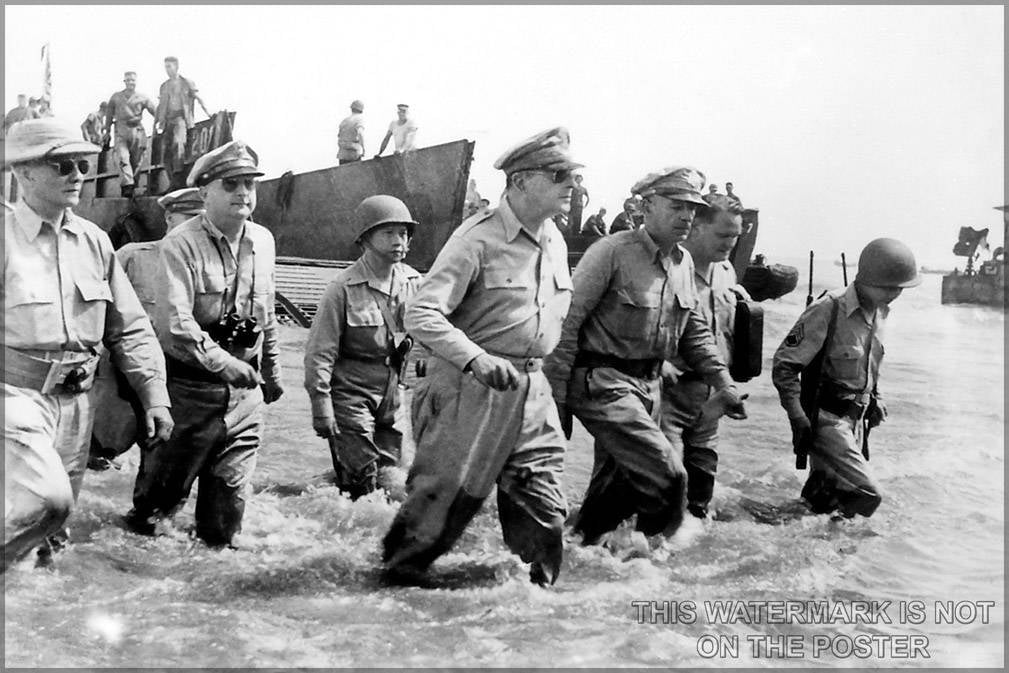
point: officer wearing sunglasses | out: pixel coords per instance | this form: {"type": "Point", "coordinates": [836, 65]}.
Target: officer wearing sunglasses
{"type": "Point", "coordinates": [65, 295]}
{"type": "Point", "coordinates": [635, 306]}
{"type": "Point", "coordinates": [490, 309]}
{"type": "Point", "coordinates": [215, 317]}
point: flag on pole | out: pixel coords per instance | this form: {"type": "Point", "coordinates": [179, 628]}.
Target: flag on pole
{"type": "Point", "coordinates": [47, 75]}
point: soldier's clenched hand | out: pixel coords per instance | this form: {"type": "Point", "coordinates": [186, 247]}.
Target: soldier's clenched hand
{"type": "Point", "coordinates": [240, 374]}
{"type": "Point", "coordinates": [159, 423]}
{"type": "Point", "coordinates": [802, 431]}
{"type": "Point", "coordinates": [494, 372]}
{"type": "Point", "coordinates": [325, 427]}
{"type": "Point", "coordinates": [272, 391]}
{"type": "Point", "coordinates": [725, 402]}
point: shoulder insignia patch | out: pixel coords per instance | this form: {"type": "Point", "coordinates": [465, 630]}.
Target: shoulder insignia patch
{"type": "Point", "coordinates": [794, 337]}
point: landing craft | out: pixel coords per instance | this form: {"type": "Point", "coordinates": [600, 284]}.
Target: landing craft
{"type": "Point", "coordinates": [310, 213]}
{"type": "Point", "coordinates": [985, 284]}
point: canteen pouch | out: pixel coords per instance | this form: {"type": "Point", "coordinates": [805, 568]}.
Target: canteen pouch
{"type": "Point", "coordinates": [747, 340]}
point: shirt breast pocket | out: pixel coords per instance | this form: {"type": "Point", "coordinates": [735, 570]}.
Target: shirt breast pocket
{"type": "Point", "coordinates": [848, 364]}
{"type": "Point", "coordinates": [504, 279]}
{"type": "Point", "coordinates": [22, 290]}
{"type": "Point", "coordinates": [208, 296]}
{"type": "Point", "coordinates": [364, 316]}
{"type": "Point", "coordinates": [95, 295]}
{"type": "Point", "coordinates": [639, 309]}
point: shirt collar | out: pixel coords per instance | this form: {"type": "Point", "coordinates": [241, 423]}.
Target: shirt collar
{"type": "Point", "coordinates": [676, 254]}
{"type": "Point", "coordinates": [217, 234]}
{"type": "Point", "coordinates": [360, 273]}
{"type": "Point", "coordinates": [31, 222]}
{"type": "Point", "coordinates": [512, 226]}
{"type": "Point", "coordinates": [851, 304]}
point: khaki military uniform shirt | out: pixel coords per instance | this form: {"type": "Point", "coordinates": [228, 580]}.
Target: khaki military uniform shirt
{"type": "Point", "coordinates": [200, 280]}
{"type": "Point", "coordinates": [717, 303]}
{"type": "Point", "coordinates": [64, 290]}
{"type": "Point", "coordinates": [855, 353]}
{"type": "Point", "coordinates": [128, 110]}
{"type": "Point", "coordinates": [632, 302]}
{"type": "Point", "coordinates": [495, 287]}
{"type": "Point", "coordinates": [141, 261]}
{"type": "Point", "coordinates": [350, 324]}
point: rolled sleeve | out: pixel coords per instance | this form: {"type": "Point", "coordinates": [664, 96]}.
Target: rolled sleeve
{"type": "Point", "coordinates": [439, 294]}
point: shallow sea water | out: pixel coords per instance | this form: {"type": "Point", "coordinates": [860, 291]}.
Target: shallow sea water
{"type": "Point", "coordinates": [305, 591]}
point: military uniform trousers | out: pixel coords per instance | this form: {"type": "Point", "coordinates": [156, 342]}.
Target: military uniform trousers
{"type": "Point", "coordinates": [470, 437]}
{"type": "Point", "coordinates": [365, 398]}
{"type": "Point", "coordinates": [173, 141]}
{"type": "Point", "coordinates": [681, 406]}
{"type": "Point", "coordinates": [838, 469]}
{"type": "Point", "coordinates": [637, 468]}
{"type": "Point", "coordinates": [131, 143]}
{"type": "Point", "coordinates": [215, 440]}
{"type": "Point", "coordinates": [46, 439]}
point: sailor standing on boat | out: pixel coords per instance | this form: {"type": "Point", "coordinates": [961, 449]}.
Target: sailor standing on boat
{"type": "Point", "coordinates": [127, 107]}
{"type": "Point", "coordinates": [215, 318]}
{"type": "Point", "coordinates": [490, 309]}
{"type": "Point", "coordinates": [357, 348]}
{"type": "Point", "coordinates": [713, 234]}
{"type": "Point", "coordinates": [350, 136]}
{"type": "Point", "coordinates": [635, 306]}
{"type": "Point", "coordinates": [65, 295]}
{"type": "Point", "coordinates": [846, 325]}
{"type": "Point", "coordinates": [119, 416]}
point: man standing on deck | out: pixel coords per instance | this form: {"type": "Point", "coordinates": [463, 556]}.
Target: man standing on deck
{"type": "Point", "coordinates": [65, 295]}
{"type": "Point", "coordinates": [91, 127]}
{"type": "Point", "coordinates": [490, 309]}
{"type": "Point", "coordinates": [634, 307]}
{"type": "Point", "coordinates": [403, 131]}
{"type": "Point", "coordinates": [215, 318]}
{"type": "Point", "coordinates": [579, 200]}
{"type": "Point", "coordinates": [713, 234]}
{"type": "Point", "coordinates": [350, 137]}
{"type": "Point", "coordinates": [845, 329]}
{"type": "Point", "coordinates": [174, 118]}
{"type": "Point", "coordinates": [19, 113]}
{"type": "Point", "coordinates": [126, 108]}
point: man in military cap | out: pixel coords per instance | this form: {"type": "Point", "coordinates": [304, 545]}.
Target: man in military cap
{"type": "Point", "coordinates": [635, 306]}
{"type": "Point", "coordinates": [174, 117]}
{"type": "Point", "coordinates": [713, 234]}
{"type": "Point", "coordinates": [126, 109]}
{"type": "Point", "coordinates": [119, 413]}
{"type": "Point", "coordinates": [350, 137]}
{"type": "Point", "coordinates": [403, 131]}
{"type": "Point", "coordinates": [490, 310]}
{"type": "Point", "coordinates": [65, 295]}
{"type": "Point", "coordinates": [626, 219]}
{"type": "Point", "coordinates": [214, 315]}
{"type": "Point", "coordinates": [357, 348]}
{"type": "Point", "coordinates": [838, 340]}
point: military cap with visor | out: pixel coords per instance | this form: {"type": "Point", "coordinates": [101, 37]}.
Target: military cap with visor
{"type": "Point", "coordinates": [682, 183]}
{"type": "Point", "coordinates": [185, 201]}
{"type": "Point", "coordinates": [231, 160]}
{"type": "Point", "coordinates": [45, 138]}
{"type": "Point", "coordinates": [547, 150]}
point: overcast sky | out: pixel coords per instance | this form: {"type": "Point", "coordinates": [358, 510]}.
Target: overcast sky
{"type": "Point", "coordinates": [840, 124]}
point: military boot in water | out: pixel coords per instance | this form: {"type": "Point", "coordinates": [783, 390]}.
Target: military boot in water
{"type": "Point", "coordinates": [820, 492]}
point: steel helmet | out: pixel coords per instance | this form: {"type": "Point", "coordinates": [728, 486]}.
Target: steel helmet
{"type": "Point", "coordinates": [886, 262]}
{"type": "Point", "coordinates": [381, 209]}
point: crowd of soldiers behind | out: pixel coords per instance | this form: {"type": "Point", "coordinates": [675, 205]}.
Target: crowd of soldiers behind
{"type": "Point", "coordinates": [636, 344]}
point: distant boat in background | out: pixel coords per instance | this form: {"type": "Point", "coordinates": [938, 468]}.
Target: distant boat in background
{"type": "Point", "coordinates": [985, 284]}
{"type": "Point", "coordinates": [926, 269]}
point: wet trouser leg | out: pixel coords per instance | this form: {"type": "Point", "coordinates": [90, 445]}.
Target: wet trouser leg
{"type": "Point", "coordinates": [637, 468]}
{"type": "Point", "coordinates": [215, 438]}
{"type": "Point", "coordinates": [681, 406]}
{"type": "Point", "coordinates": [838, 471]}
{"type": "Point", "coordinates": [46, 439]}
{"type": "Point", "coordinates": [468, 438]}
{"type": "Point", "coordinates": [365, 399]}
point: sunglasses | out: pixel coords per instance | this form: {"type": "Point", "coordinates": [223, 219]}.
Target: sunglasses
{"type": "Point", "coordinates": [557, 177]}
{"type": "Point", "coordinates": [231, 184]}
{"type": "Point", "coordinates": [66, 166]}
